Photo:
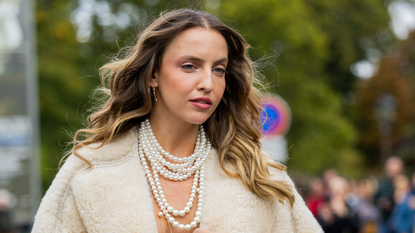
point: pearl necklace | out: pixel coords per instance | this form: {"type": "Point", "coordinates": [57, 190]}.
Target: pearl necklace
{"type": "Point", "coordinates": [194, 164]}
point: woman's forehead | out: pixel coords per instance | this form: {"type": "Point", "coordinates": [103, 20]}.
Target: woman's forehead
{"type": "Point", "coordinates": [200, 43]}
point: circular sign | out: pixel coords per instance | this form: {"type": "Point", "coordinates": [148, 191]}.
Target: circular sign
{"type": "Point", "coordinates": [275, 116]}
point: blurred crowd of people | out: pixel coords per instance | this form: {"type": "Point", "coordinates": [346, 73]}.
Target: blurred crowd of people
{"type": "Point", "coordinates": [370, 205]}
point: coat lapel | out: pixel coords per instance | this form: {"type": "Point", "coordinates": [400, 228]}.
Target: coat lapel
{"type": "Point", "coordinates": [229, 206]}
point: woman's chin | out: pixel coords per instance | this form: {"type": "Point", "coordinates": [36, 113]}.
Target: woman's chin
{"type": "Point", "coordinates": [198, 120]}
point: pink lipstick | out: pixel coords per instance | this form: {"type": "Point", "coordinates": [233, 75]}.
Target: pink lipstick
{"type": "Point", "coordinates": [202, 102]}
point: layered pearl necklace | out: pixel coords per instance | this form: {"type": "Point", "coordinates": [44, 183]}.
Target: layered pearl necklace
{"type": "Point", "coordinates": [182, 170]}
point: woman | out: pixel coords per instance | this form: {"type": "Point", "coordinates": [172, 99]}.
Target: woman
{"type": "Point", "coordinates": [175, 148]}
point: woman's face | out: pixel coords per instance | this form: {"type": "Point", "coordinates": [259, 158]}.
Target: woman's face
{"type": "Point", "coordinates": [191, 80]}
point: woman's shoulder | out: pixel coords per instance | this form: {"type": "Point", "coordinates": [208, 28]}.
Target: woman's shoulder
{"type": "Point", "coordinates": [280, 175]}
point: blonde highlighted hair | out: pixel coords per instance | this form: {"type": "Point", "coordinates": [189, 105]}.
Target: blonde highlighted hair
{"type": "Point", "coordinates": [234, 127]}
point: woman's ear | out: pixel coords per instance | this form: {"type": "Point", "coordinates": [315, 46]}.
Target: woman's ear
{"type": "Point", "coordinates": [154, 80]}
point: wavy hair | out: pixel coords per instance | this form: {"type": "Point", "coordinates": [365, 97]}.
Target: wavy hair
{"type": "Point", "coordinates": [234, 127]}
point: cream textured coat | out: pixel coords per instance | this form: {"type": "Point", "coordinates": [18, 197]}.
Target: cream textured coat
{"type": "Point", "coordinates": [114, 196]}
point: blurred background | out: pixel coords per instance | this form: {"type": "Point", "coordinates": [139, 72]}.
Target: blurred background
{"type": "Point", "coordinates": [345, 68]}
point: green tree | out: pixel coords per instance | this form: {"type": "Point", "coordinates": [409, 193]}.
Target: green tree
{"type": "Point", "coordinates": [316, 47]}
{"type": "Point", "coordinates": [353, 28]}
{"type": "Point", "coordinates": [395, 76]}
{"type": "Point", "coordinates": [62, 87]}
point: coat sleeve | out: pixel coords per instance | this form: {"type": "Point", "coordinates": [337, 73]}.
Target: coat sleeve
{"type": "Point", "coordinates": [295, 219]}
{"type": "Point", "coordinates": [302, 219]}
{"type": "Point", "coordinates": [58, 211]}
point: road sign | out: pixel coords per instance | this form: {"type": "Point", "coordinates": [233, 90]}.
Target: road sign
{"type": "Point", "coordinates": [275, 116]}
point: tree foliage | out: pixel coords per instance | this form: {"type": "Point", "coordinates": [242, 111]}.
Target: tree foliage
{"type": "Point", "coordinates": [395, 76]}
{"type": "Point", "coordinates": [317, 41]}
{"type": "Point", "coordinates": [59, 81]}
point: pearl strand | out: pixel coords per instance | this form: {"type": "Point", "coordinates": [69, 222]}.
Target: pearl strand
{"type": "Point", "coordinates": [162, 202]}
{"type": "Point", "coordinates": [180, 171]}
{"type": "Point", "coordinates": [167, 154]}
{"type": "Point", "coordinates": [158, 168]}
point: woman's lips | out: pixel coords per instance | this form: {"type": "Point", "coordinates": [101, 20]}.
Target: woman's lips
{"type": "Point", "coordinates": [201, 102]}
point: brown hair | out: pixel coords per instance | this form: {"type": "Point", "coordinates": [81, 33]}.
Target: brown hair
{"type": "Point", "coordinates": [234, 127]}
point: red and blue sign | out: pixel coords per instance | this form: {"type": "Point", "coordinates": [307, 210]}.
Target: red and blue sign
{"type": "Point", "coordinates": [275, 116]}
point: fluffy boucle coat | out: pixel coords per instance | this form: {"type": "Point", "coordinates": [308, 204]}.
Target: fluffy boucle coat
{"type": "Point", "coordinates": [114, 196]}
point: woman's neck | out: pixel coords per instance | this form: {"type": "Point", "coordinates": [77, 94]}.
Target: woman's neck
{"type": "Point", "coordinates": [177, 138]}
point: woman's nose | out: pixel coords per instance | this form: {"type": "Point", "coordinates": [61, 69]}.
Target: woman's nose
{"type": "Point", "coordinates": [206, 80]}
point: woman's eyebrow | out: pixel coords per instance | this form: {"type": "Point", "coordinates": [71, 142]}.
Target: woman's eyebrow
{"type": "Point", "coordinates": [193, 58]}
{"type": "Point", "coordinates": [221, 60]}
{"type": "Point", "coordinates": [200, 60]}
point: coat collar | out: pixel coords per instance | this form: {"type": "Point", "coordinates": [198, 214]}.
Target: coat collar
{"type": "Point", "coordinates": [115, 150]}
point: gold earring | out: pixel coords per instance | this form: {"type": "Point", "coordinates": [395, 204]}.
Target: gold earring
{"type": "Point", "coordinates": [154, 93]}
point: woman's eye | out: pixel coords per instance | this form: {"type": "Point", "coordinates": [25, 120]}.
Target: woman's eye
{"type": "Point", "coordinates": [188, 67]}
{"type": "Point", "coordinates": [219, 71]}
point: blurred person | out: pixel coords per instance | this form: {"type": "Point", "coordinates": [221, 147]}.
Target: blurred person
{"type": "Point", "coordinates": [186, 87]}
{"type": "Point", "coordinates": [402, 218]}
{"type": "Point", "coordinates": [328, 175]}
{"type": "Point", "coordinates": [336, 216]}
{"type": "Point", "coordinates": [352, 198]}
{"type": "Point", "coordinates": [368, 213]}
{"type": "Point", "coordinates": [6, 224]}
{"type": "Point", "coordinates": [384, 198]}
{"type": "Point", "coordinates": [317, 195]}
{"type": "Point", "coordinates": [413, 183]}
